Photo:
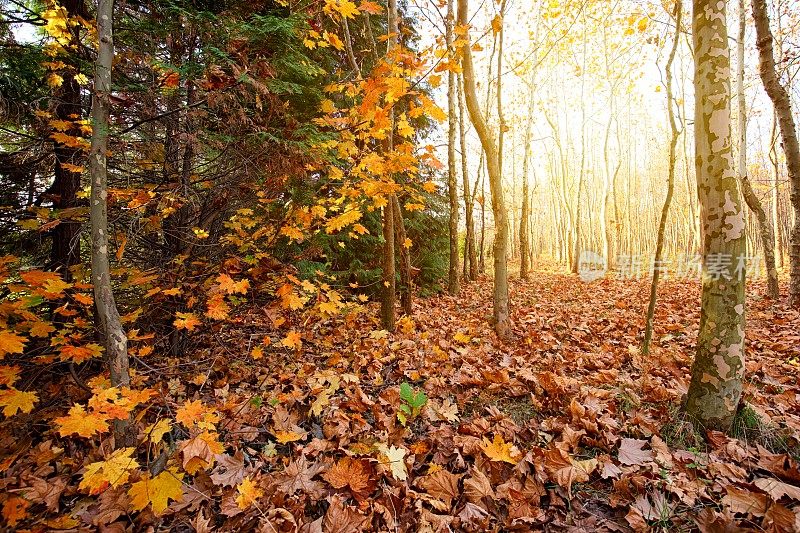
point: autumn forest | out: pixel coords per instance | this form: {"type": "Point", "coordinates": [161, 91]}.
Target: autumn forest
{"type": "Point", "coordinates": [400, 265]}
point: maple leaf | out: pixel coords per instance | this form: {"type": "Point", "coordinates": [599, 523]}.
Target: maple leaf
{"type": "Point", "coordinates": [370, 7]}
{"type": "Point", "coordinates": [216, 308]}
{"type": "Point", "coordinates": [229, 471]}
{"type": "Point", "coordinates": [186, 321]}
{"type": "Point", "coordinates": [13, 400]}
{"type": "Point", "coordinates": [155, 432]}
{"type": "Point", "coordinates": [81, 423]}
{"type": "Point", "coordinates": [292, 340]}
{"type": "Point", "coordinates": [249, 493]}
{"type": "Point", "coordinates": [190, 412]}
{"type": "Point", "coordinates": [9, 375]}
{"type": "Point", "coordinates": [157, 491]}
{"type": "Point", "coordinates": [10, 342]}
{"type": "Point", "coordinates": [285, 437]}
{"type": "Point", "coordinates": [631, 452]}
{"type": "Point", "coordinates": [15, 509]}
{"type": "Point", "coordinates": [443, 485]}
{"type": "Point", "coordinates": [80, 354]}
{"type": "Point", "coordinates": [114, 471]}
{"type": "Point", "coordinates": [352, 473]}
{"type": "Point", "coordinates": [499, 450]}
{"type": "Point", "coordinates": [227, 284]}
{"type": "Point", "coordinates": [395, 458]}
{"type": "Point", "coordinates": [333, 40]}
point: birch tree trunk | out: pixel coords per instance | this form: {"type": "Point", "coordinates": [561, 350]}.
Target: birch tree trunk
{"type": "Point", "coordinates": [716, 385]}
{"type": "Point", "coordinates": [783, 108]}
{"type": "Point", "coordinates": [524, 242]}
{"type": "Point", "coordinates": [114, 339]}
{"type": "Point", "coordinates": [765, 230]}
{"type": "Point", "coordinates": [490, 148]}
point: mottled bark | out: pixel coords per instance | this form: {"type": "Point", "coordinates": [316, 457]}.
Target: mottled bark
{"type": "Point", "coordinates": [114, 338]}
{"type": "Point", "coordinates": [490, 148]}
{"type": "Point", "coordinates": [452, 181]}
{"type": "Point", "coordinates": [783, 109]}
{"type": "Point", "coordinates": [716, 385]}
{"type": "Point", "coordinates": [673, 143]}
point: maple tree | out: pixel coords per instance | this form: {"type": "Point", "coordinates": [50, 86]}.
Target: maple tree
{"type": "Point", "coordinates": [231, 290]}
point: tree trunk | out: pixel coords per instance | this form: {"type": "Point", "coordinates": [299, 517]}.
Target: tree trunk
{"type": "Point", "coordinates": [388, 272]}
{"type": "Point", "coordinates": [66, 250]}
{"type": "Point", "coordinates": [116, 343]}
{"type": "Point", "coordinates": [716, 385]}
{"type": "Point", "coordinates": [765, 230]}
{"type": "Point", "coordinates": [524, 242]}
{"type": "Point", "coordinates": [651, 308]}
{"type": "Point", "coordinates": [783, 108]}
{"type": "Point", "coordinates": [452, 181]}
{"type": "Point", "coordinates": [405, 257]}
{"type": "Point", "coordinates": [471, 271]}
{"type": "Point", "coordinates": [501, 316]}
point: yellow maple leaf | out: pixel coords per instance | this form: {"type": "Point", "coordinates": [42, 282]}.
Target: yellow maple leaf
{"type": "Point", "coordinates": [227, 284]}
{"type": "Point", "coordinates": [500, 450]}
{"type": "Point", "coordinates": [157, 491]}
{"type": "Point", "coordinates": [249, 493]}
{"type": "Point", "coordinates": [81, 423]}
{"type": "Point", "coordinates": [114, 471]}
{"type": "Point", "coordinates": [10, 342]}
{"type": "Point", "coordinates": [333, 40]}
{"type": "Point", "coordinates": [13, 400]}
{"type": "Point", "coordinates": [9, 375]}
{"type": "Point", "coordinates": [186, 321]}
{"type": "Point", "coordinates": [190, 413]}
{"type": "Point", "coordinates": [257, 353]}
{"type": "Point", "coordinates": [497, 24]}
{"type": "Point", "coordinates": [394, 458]}
{"type": "Point", "coordinates": [292, 340]}
{"type": "Point", "coordinates": [285, 437]}
{"type": "Point", "coordinates": [155, 432]}
{"type": "Point", "coordinates": [216, 308]}
{"type": "Point", "coordinates": [40, 328]}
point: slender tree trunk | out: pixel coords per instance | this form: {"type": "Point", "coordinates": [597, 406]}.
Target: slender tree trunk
{"type": "Point", "coordinates": [114, 338]}
{"type": "Point", "coordinates": [651, 308]}
{"type": "Point", "coordinates": [776, 194]}
{"type": "Point", "coordinates": [524, 243]}
{"type": "Point", "coordinates": [501, 315]}
{"type": "Point", "coordinates": [406, 283]}
{"type": "Point", "coordinates": [452, 178]}
{"type": "Point", "coordinates": [716, 385]}
{"type": "Point", "coordinates": [765, 230]}
{"type": "Point", "coordinates": [470, 272]}
{"type": "Point", "coordinates": [783, 108]}
{"type": "Point", "coordinates": [388, 271]}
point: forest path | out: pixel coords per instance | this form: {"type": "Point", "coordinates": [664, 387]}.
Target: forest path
{"type": "Point", "coordinates": [567, 428]}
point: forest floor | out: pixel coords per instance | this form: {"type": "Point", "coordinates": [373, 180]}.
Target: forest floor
{"type": "Point", "coordinates": [569, 428]}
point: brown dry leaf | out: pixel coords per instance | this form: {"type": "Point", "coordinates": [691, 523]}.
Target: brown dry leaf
{"type": "Point", "coordinates": [342, 518]}
{"type": "Point", "coordinates": [477, 486]}
{"type": "Point", "coordinates": [744, 501]}
{"type": "Point", "coordinates": [229, 471]}
{"type": "Point", "coordinates": [777, 489]}
{"type": "Point", "coordinates": [631, 452]}
{"type": "Point", "coordinates": [443, 485]}
{"type": "Point", "coordinates": [357, 474]}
